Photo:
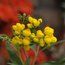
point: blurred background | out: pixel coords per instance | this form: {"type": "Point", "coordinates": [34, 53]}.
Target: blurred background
{"type": "Point", "coordinates": [53, 11]}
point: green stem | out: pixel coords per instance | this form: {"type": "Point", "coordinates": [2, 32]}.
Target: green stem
{"type": "Point", "coordinates": [17, 53]}
{"type": "Point", "coordinates": [36, 55]}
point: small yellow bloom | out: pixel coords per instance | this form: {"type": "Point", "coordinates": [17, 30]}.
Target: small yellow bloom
{"type": "Point", "coordinates": [26, 41]}
{"type": "Point", "coordinates": [30, 19]}
{"type": "Point", "coordinates": [29, 25]}
{"type": "Point", "coordinates": [16, 40]}
{"type": "Point", "coordinates": [32, 35]}
{"type": "Point", "coordinates": [54, 39]}
{"type": "Point", "coordinates": [23, 26]}
{"type": "Point", "coordinates": [39, 33]}
{"type": "Point", "coordinates": [35, 39]}
{"type": "Point", "coordinates": [47, 36]}
{"type": "Point", "coordinates": [20, 41]}
{"type": "Point", "coordinates": [48, 40]}
{"type": "Point", "coordinates": [41, 42]}
{"type": "Point", "coordinates": [40, 20]}
{"type": "Point", "coordinates": [26, 32]}
{"type": "Point", "coordinates": [20, 26]}
{"type": "Point", "coordinates": [48, 31]}
{"type": "Point", "coordinates": [36, 23]}
{"type": "Point", "coordinates": [14, 27]}
{"type": "Point", "coordinates": [17, 32]}
{"type": "Point", "coordinates": [27, 48]}
{"type": "Point", "coordinates": [28, 38]}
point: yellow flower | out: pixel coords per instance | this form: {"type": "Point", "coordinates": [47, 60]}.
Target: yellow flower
{"type": "Point", "coordinates": [41, 42]}
{"type": "Point", "coordinates": [36, 23]}
{"type": "Point", "coordinates": [40, 20]}
{"type": "Point", "coordinates": [35, 39]}
{"type": "Point", "coordinates": [54, 39]}
{"type": "Point", "coordinates": [17, 32]}
{"type": "Point", "coordinates": [26, 32]}
{"type": "Point", "coordinates": [16, 40]}
{"type": "Point", "coordinates": [48, 31]}
{"type": "Point", "coordinates": [27, 48]}
{"type": "Point", "coordinates": [48, 40]}
{"type": "Point", "coordinates": [47, 36]}
{"type": "Point", "coordinates": [20, 26]}
{"type": "Point", "coordinates": [23, 26]}
{"type": "Point", "coordinates": [26, 41]}
{"type": "Point", "coordinates": [14, 27]}
{"type": "Point", "coordinates": [30, 19]}
{"type": "Point", "coordinates": [29, 25]}
{"type": "Point", "coordinates": [20, 41]}
{"type": "Point", "coordinates": [27, 38]}
{"type": "Point", "coordinates": [32, 35]}
{"type": "Point", "coordinates": [39, 33]}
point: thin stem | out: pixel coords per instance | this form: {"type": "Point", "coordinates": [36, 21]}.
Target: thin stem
{"type": "Point", "coordinates": [17, 53]}
{"type": "Point", "coordinates": [25, 52]}
{"type": "Point", "coordinates": [36, 55]}
{"type": "Point", "coordinates": [20, 58]}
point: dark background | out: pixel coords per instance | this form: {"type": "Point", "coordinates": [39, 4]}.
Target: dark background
{"type": "Point", "coordinates": [53, 12]}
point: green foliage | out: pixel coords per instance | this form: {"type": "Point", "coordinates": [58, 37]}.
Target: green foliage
{"type": "Point", "coordinates": [23, 18]}
{"type": "Point", "coordinates": [14, 58]}
{"type": "Point", "coordinates": [27, 61]}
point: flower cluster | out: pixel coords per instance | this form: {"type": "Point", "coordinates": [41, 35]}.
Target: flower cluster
{"type": "Point", "coordinates": [34, 22]}
{"type": "Point", "coordinates": [27, 34]}
{"type": "Point", "coordinates": [49, 37]}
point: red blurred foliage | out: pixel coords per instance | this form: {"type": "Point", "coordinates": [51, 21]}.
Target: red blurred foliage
{"type": "Point", "coordinates": [31, 54]}
{"type": "Point", "coordinates": [9, 10]}
{"type": "Point", "coordinates": [3, 50]}
{"type": "Point", "coordinates": [41, 57]}
{"type": "Point", "coordinates": [23, 55]}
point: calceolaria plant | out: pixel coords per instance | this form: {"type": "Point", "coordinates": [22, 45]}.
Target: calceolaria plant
{"type": "Point", "coordinates": [26, 35]}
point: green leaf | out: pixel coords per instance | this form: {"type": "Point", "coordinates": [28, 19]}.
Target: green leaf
{"type": "Point", "coordinates": [27, 61]}
{"type": "Point", "coordinates": [17, 46]}
{"type": "Point", "coordinates": [33, 30]}
{"type": "Point", "coordinates": [33, 48]}
{"type": "Point", "coordinates": [15, 59]}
